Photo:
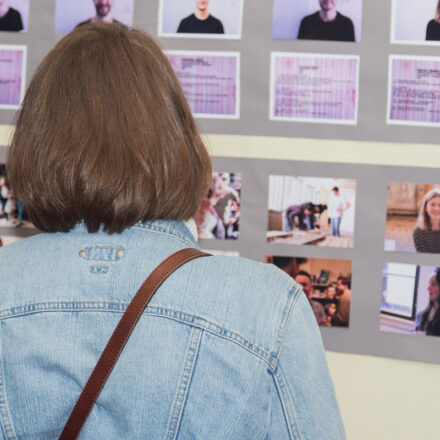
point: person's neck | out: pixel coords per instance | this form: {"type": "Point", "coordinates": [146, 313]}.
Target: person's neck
{"type": "Point", "coordinates": [435, 226]}
{"type": "Point", "coordinates": [327, 15]}
{"type": "Point", "coordinates": [201, 15]}
{"type": "Point", "coordinates": [106, 19]}
{"type": "Point", "coordinates": [4, 8]}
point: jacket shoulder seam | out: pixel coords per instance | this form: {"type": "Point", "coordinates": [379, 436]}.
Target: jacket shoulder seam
{"type": "Point", "coordinates": [285, 317]}
{"type": "Point", "coordinates": [115, 307]}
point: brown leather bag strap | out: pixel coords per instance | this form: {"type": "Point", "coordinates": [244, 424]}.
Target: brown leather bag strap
{"type": "Point", "coordinates": [119, 338]}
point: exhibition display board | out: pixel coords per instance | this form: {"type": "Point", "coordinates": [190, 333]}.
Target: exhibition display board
{"type": "Point", "coordinates": [364, 230]}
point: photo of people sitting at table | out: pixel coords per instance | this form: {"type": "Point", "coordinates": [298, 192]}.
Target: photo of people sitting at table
{"type": "Point", "coordinates": [311, 211]}
{"type": "Point", "coordinates": [12, 212]}
{"type": "Point", "coordinates": [410, 299]}
{"type": "Point", "coordinates": [218, 214]}
{"type": "Point", "coordinates": [325, 282]}
{"type": "Point", "coordinates": [413, 218]}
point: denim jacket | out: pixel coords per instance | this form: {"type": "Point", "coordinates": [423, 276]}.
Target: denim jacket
{"type": "Point", "coordinates": [228, 348]}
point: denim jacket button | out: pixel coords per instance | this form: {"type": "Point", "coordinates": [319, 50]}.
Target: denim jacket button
{"type": "Point", "coordinates": [82, 253]}
{"type": "Point", "coordinates": [120, 253]}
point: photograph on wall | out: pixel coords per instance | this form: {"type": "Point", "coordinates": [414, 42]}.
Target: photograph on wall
{"type": "Point", "coordinates": [71, 14]}
{"type": "Point", "coordinates": [310, 87]}
{"type": "Point", "coordinates": [311, 211]}
{"type": "Point", "coordinates": [218, 214]}
{"type": "Point", "coordinates": [14, 15]}
{"type": "Point", "coordinates": [200, 18]}
{"type": "Point", "coordinates": [220, 252]}
{"type": "Point", "coordinates": [410, 299]}
{"type": "Point", "coordinates": [8, 239]}
{"type": "Point", "coordinates": [12, 76]}
{"type": "Point", "coordinates": [12, 213]}
{"type": "Point", "coordinates": [413, 218]}
{"type": "Point", "coordinates": [415, 22]}
{"type": "Point", "coordinates": [326, 20]}
{"type": "Point", "coordinates": [325, 282]}
{"type": "Point", "coordinates": [414, 91]}
{"type": "Point", "coordinates": [210, 82]}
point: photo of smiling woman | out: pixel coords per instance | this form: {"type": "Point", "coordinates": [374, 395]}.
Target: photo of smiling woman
{"type": "Point", "coordinates": [410, 299]}
{"type": "Point", "coordinates": [426, 234]}
{"type": "Point", "coordinates": [413, 218]}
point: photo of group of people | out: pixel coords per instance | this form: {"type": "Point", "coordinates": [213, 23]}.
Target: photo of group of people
{"type": "Point", "coordinates": [410, 299]}
{"type": "Point", "coordinates": [311, 211]}
{"type": "Point", "coordinates": [311, 87]}
{"type": "Point", "coordinates": [12, 212]}
{"type": "Point", "coordinates": [210, 82]}
{"type": "Point", "coordinates": [218, 214]}
{"type": "Point", "coordinates": [413, 218]}
{"type": "Point", "coordinates": [415, 22]}
{"type": "Point", "coordinates": [325, 282]}
{"type": "Point", "coordinates": [14, 15]}
{"type": "Point", "coordinates": [331, 20]}
{"type": "Point", "coordinates": [69, 15]}
{"type": "Point", "coordinates": [12, 75]}
{"type": "Point", "coordinates": [200, 18]}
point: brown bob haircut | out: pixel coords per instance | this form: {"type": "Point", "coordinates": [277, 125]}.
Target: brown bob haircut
{"type": "Point", "coordinates": [105, 136]}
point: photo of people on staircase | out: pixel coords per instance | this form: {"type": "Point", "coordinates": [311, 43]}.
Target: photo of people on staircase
{"type": "Point", "coordinates": [311, 211]}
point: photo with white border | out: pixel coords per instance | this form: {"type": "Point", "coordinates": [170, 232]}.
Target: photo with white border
{"type": "Point", "coordinates": [210, 82]}
{"type": "Point", "coordinates": [179, 18]}
{"type": "Point", "coordinates": [12, 75]}
{"type": "Point", "coordinates": [305, 87]}
{"type": "Point", "coordinates": [413, 91]}
{"type": "Point", "coordinates": [415, 22]}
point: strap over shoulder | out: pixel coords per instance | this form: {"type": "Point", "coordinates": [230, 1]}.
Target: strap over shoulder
{"type": "Point", "coordinates": [119, 338]}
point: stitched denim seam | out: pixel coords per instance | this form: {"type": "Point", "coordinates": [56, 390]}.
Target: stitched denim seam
{"type": "Point", "coordinates": [182, 391]}
{"type": "Point", "coordinates": [5, 415]}
{"type": "Point", "coordinates": [202, 323]}
{"type": "Point", "coordinates": [287, 404]}
{"type": "Point", "coordinates": [163, 231]}
{"type": "Point", "coordinates": [287, 311]}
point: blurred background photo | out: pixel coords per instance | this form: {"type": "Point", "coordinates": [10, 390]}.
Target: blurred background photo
{"type": "Point", "coordinates": [311, 211]}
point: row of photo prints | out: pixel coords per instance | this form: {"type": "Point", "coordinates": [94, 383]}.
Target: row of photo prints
{"type": "Point", "coordinates": [319, 211]}
{"type": "Point", "coordinates": [304, 87]}
{"type": "Point", "coordinates": [412, 21]}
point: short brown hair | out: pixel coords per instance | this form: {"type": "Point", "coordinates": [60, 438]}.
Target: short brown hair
{"type": "Point", "coordinates": [105, 136]}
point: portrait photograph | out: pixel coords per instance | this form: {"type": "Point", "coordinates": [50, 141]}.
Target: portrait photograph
{"type": "Point", "coordinates": [413, 218]}
{"type": "Point", "coordinates": [218, 214]}
{"type": "Point", "coordinates": [12, 76]}
{"type": "Point", "coordinates": [325, 282]}
{"type": "Point", "coordinates": [325, 20]}
{"type": "Point", "coordinates": [310, 87]}
{"type": "Point", "coordinates": [71, 14]}
{"type": "Point", "coordinates": [210, 82]}
{"type": "Point", "coordinates": [12, 213]}
{"type": "Point", "coordinates": [415, 22]}
{"type": "Point", "coordinates": [410, 299]}
{"type": "Point", "coordinates": [200, 18]}
{"type": "Point", "coordinates": [413, 91]}
{"type": "Point", "coordinates": [311, 211]}
{"type": "Point", "coordinates": [14, 15]}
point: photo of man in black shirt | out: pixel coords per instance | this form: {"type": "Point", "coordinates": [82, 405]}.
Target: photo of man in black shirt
{"type": "Point", "coordinates": [10, 18]}
{"type": "Point", "coordinates": [201, 21]}
{"type": "Point", "coordinates": [103, 9]}
{"type": "Point", "coordinates": [326, 24]}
